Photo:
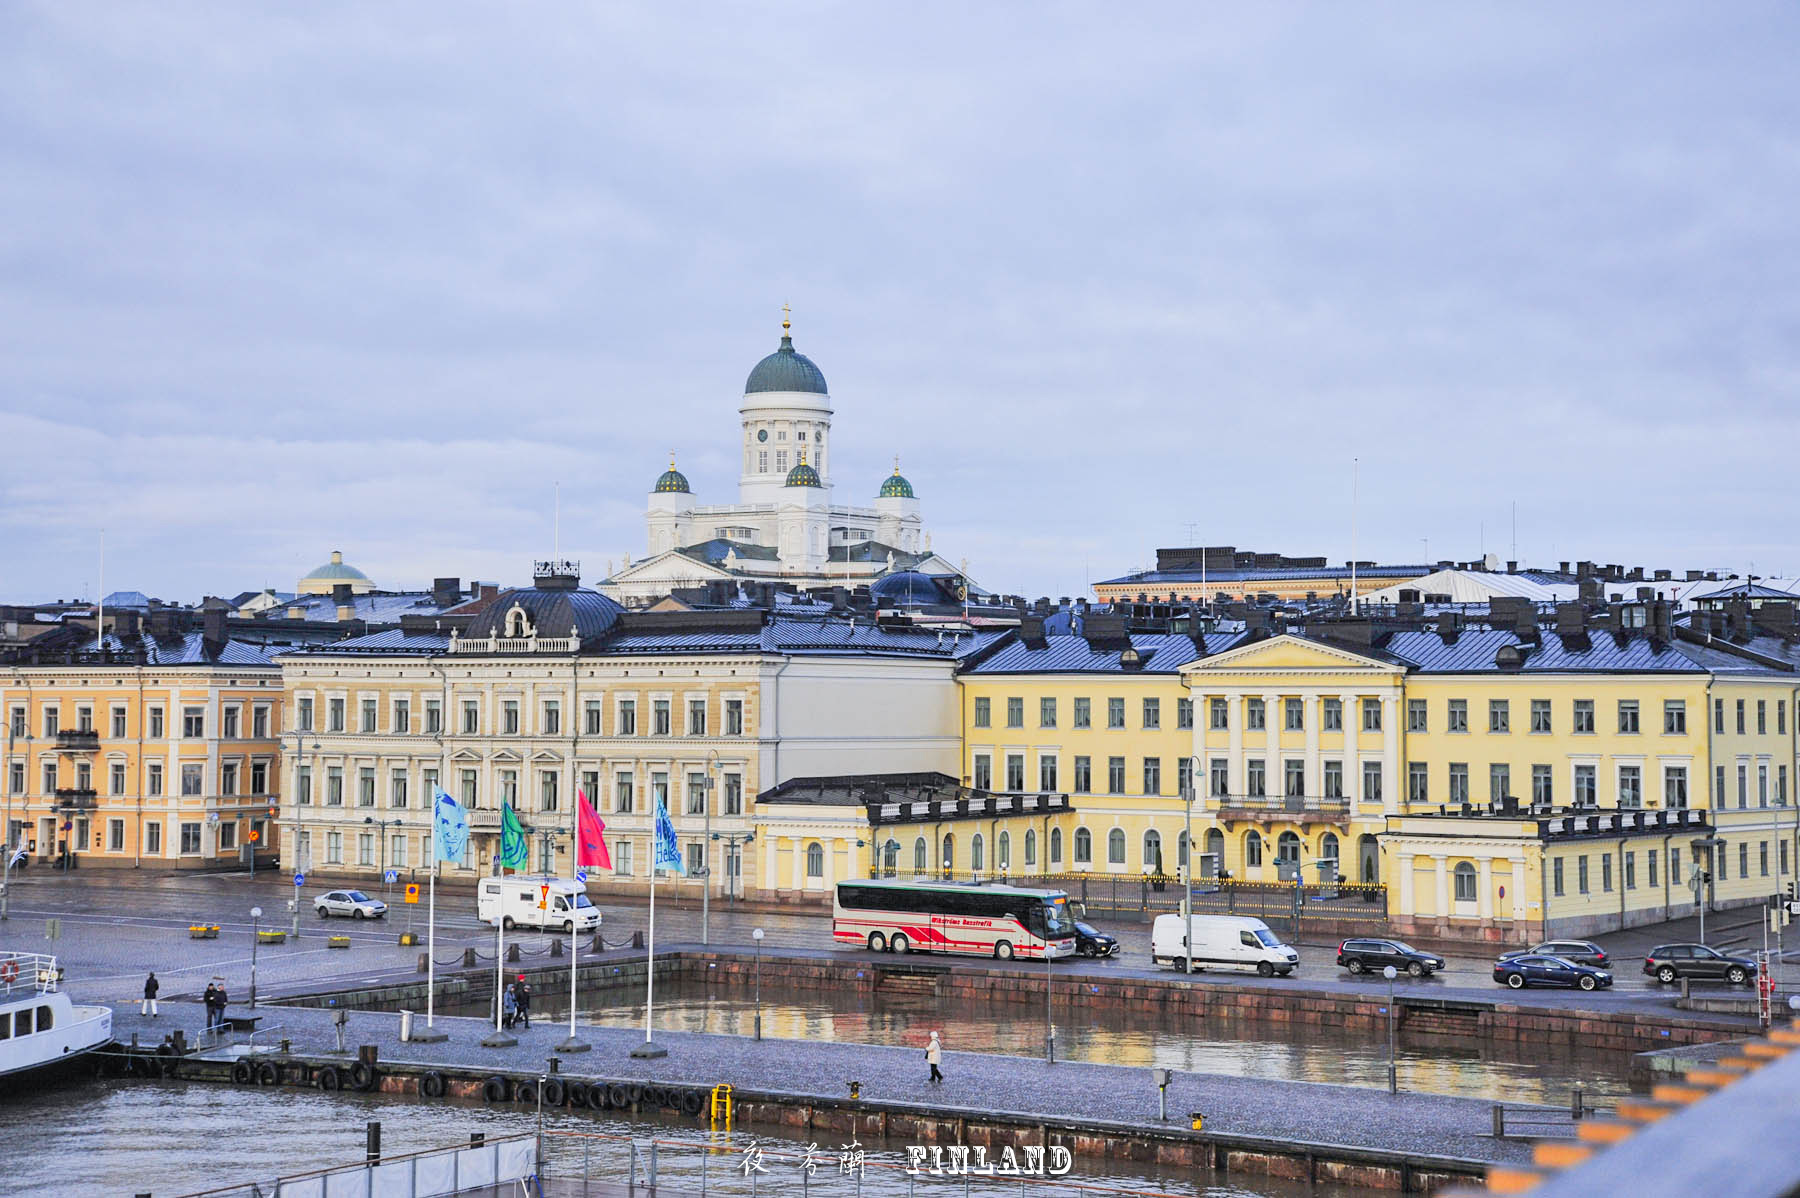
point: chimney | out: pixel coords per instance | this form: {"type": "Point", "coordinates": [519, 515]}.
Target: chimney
{"type": "Point", "coordinates": [1583, 571]}
{"type": "Point", "coordinates": [125, 624]}
{"type": "Point", "coordinates": [1512, 567]}
{"type": "Point", "coordinates": [1562, 567]}
{"type": "Point", "coordinates": [1571, 619]}
{"type": "Point", "coordinates": [446, 592]}
{"type": "Point", "coordinates": [1031, 632]}
{"type": "Point", "coordinates": [340, 593]}
{"type": "Point", "coordinates": [212, 622]}
{"type": "Point", "coordinates": [1693, 576]}
{"type": "Point", "coordinates": [346, 612]}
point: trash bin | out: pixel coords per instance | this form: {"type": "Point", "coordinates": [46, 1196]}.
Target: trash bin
{"type": "Point", "coordinates": [405, 1026]}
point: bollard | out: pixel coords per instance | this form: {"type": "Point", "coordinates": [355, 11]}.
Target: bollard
{"type": "Point", "coordinates": [179, 1039]}
{"type": "Point", "coordinates": [286, 1046]}
{"type": "Point", "coordinates": [1499, 1122]}
{"type": "Point", "coordinates": [468, 957]}
{"type": "Point", "coordinates": [512, 951]}
{"type": "Point", "coordinates": [637, 939]}
{"type": "Point", "coordinates": [372, 1151]}
{"type": "Point", "coordinates": [368, 1054]}
{"type": "Point", "coordinates": [556, 948]}
{"type": "Point", "coordinates": [555, 1064]}
{"type": "Point", "coordinates": [424, 963]}
{"type": "Point", "coordinates": [1575, 1108]}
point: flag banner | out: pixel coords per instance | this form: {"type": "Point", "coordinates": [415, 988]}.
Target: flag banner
{"type": "Point", "coordinates": [514, 853]}
{"type": "Point", "coordinates": [667, 853]}
{"type": "Point", "coordinates": [590, 835]}
{"type": "Point", "coordinates": [450, 824]}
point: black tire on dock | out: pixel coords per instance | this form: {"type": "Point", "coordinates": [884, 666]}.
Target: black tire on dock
{"type": "Point", "coordinates": [693, 1102]}
{"type": "Point", "coordinates": [618, 1097]}
{"type": "Point", "coordinates": [362, 1075]}
{"type": "Point", "coordinates": [165, 1060]}
{"type": "Point", "coordinates": [495, 1089]}
{"type": "Point", "coordinates": [144, 1067]}
{"type": "Point", "coordinates": [634, 1094]}
{"type": "Point", "coordinates": [431, 1085]}
{"type": "Point", "coordinates": [555, 1093]}
{"type": "Point", "coordinates": [242, 1073]}
{"type": "Point", "coordinates": [329, 1078]}
{"type": "Point", "coordinates": [526, 1092]}
{"type": "Point", "coordinates": [268, 1074]}
{"type": "Point", "coordinates": [656, 1097]}
{"type": "Point", "coordinates": [577, 1094]}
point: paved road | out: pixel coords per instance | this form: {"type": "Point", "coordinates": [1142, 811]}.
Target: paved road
{"type": "Point", "coordinates": [117, 925]}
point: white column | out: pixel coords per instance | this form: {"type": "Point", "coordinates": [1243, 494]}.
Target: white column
{"type": "Point", "coordinates": [1484, 888]}
{"type": "Point", "coordinates": [1352, 718]}
{"type": "Point", "coordinates": [799, 844]}
{"type": "Point", "coordinates": [767, 850]}
{"type": "Point", "coordinates": [831, 860]}
{"type": "Point", "coordinates": [1234, 721]}
{"type": "Point", "coordinates": [1309, 712]}
{"type": "Point", "coordinates": [1403, 875]}
{"type": "Point", "coordinates": [1442, 873]}
{"type": "Point", "coordinates": [1390, 754]}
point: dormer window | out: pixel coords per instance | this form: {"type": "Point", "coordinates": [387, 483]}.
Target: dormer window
{"type": "Point", "coordinates": [517, 624]}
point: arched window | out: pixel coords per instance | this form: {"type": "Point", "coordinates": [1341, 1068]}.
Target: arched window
{"type": "Point", "coordinates": [890, 858]}
{"type": "Point", "coordinates": [977, 859]}
{"type": "Point", "coordinates": [920, 862]}
{"type": "Point", "coordinates": [948, 856]}
{"type": "Point", "coordinates": [1328, 848]}
{"type": "Point", "coordinates": [1215, 844]}
{"type": "Point", "coordinates": [815, 860]}
{"type": "Point", "coordinates": [1056, 856]}
{"type": "Point", "coordinates": [1084, 846]}
{"type": "Point", "coordinates": [1465, 883]}
{"type": "Point", "coordinates": [1153, 851]}
{"type": "Point", "coordinates": [1003, 852]}
{"type": "Point", "coordinates": [1368, 854]}
{"type": "Point", "coordinates": [1115, 847]}
{"type": "Point", "coordinates": [1252, 849]}
{"type": "Point", "coordinates": [1030, 847]}
{"type": "Point", "coordinates": [1287, 847]}
{"type": "Point", "coordinates": [1181, 851]}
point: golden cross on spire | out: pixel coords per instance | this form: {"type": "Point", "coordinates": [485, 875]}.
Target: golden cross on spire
{"type": "Point", "coordinates": [671, 459]}
{"type": "Point", "coordinates": [786, 313]}
{"type": "Point", "coordinates": [896, 463]}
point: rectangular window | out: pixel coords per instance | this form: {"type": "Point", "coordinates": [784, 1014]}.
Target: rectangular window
{"type": "Point", "coordinates": [115, 836]}
{"type": "Point", "coordinates": [1781, 717]}
{"type": "Point", "coordinates": [1220, 772]}
{"type": "Point", "coordinates": [1540, 715]}
{"type": "Point", "coordinates": [1115, 713]}
{"type": "Point", "coordinates": [1084, 775]}
{"type": "Point", "coordinates": [1331, 715]}
{"type": "Point", "coordinates": [153, 839]}
{"type": "Point", "coordinates": [1675, 716]}
{"type": "Point", "coordinates": [1587, 786]}
{"type": "Point", "coordinates": [734, 717]}
{"type": "Point", "coordinates": [228, 778]}
{"type": "Point", "coordinates": [1743, 859]}
{"type": "Point", "coordinates": [429, 781]}
{"type": "Point", "coordinates": [365, 787]}
{"type": "Point", "coordinates": [1415, 715]}
{"type": "Point", "coordinates": [1152, 713]}
{"type": "Point", "coordinates": [1371, 715]}
{"type": "Point", "coordinates": [434, 716]}
{"type": "Point", "coordinates": [471, 717]}
{"type": "Point", "coordinates": [1674, 865]}
{"type": "Point", "coordinates": [1499, 781]}
{"type": "Point", "coordinates": [303, 716]}
{"type": "Point", "coordinates": [259, 777]}
{"type": "Point", "coordinates": [1781, 786]}
{"type": "Point", "coordinates": [696, 793]}
{"type": "Point", "coordinates": [334, 786]}
{"type": "Point", "coordinates": [84, 719]}
{"type": "Point", "coordinates": [1584, 716]}
{"type": "Point", "coordinates": [1606, 872]}
{"type": "Point", "coordinates": [190, 839]}
{"type": "Point", "coordinates": [1084, 713]}
{"type": "Point", "coordinates": [1418, 781]}
{"type": "Point", "coordinates": [1650, 868]}
{"type": "Point", "coordinates": [1255, 717]}
{"type": "Point", "coordinates": [52, 721]}
{"type": "Point", "coordinates": [1015, 772]}
{"type": "Point", "coordinates": [259, 721]}
{"type": "Point", "coordinates": [509, 788]}
{"type": "Point", "coordinates": [1743, 785]}
{"type": "Point", "coordinates": [193, 721]}
{"type": "Point", "coordinates": [118, 722]}
{"type": "Point", "coordinates": [17, 723]}
{"type": "Point", "coordinates": [365, 848]}
{"type": "Point", "coordinates": [984, 772]}
{"type": "Point", "coordinates": [397, 850]}
{"type": "Point", "coordinates": [1015, 712]}
{"type": "Point", "coordinates": [1763, 855]}
{"type": "Point", "coordinates": [302, 784]}
{"type": "Point", "coordinates": [1152, 775]}
{"type": "Point", "coordinates": [1499, 715]}
{"type": "Point", "coordinates": [1293, 780]}
{"type": "Point", "coordinates": [1762, 722]}
{"type": "Point", "coordinates": [402, 716]}
{"type": "Point", "coordinates": [509, 717]}
{"type": "Point", "coordinates": [1184, 714]}
{"type": "Point", "coordinates": [1543, 785]}
{"type": "Point", "coordinates": [1457, 718]}
{"type": "Point", "coordinates": [590, 718]}
{"type": "Point", "coordinates": [1581, 873]}
{"type": "Point", "coordinates": [469, 795]}
{"type": "Point", "coordinates": [368, 717]}
{"type": "Point", "coordinates": [984, 712]}
{"type": "Point", "coordinates": [1371, 786]}
{"type": "Point", "coordinates": [116, 776]}
{"type": "Point", "coordinates": [1046, 773]}
{"type": "Point", "coordinates": [1255, 781]}
{"type": "Point", "coordinates": [334, 715]}
{"type": "Point", "coordinates": [397, 782]}
{"type": "Point", "coordinates": [49, 777]}
{"type": "Point", "coordinates": [193, 779]}
{"type": "Point", "coordinates": [1784, 857]}
{"type": "Point", "coordinates": [627, 721]}
{"type": "Point", "coordinates": [1631, 787]}
{"type": "Point", "coordinates": [16, 779]}
{"type": "Point", "coordinates": [1718, 786]}
{"type": "Point", "coordinates": [1762, 784]}
{"type": "Point", "coordinates": [734, 794]}
{"type": "Point", "coordinates": [1294, 715]}
{"type": "Point", "coordinates": [1628, 717]}
{"type": "Point", "coordinates": [1046, 713]}
{"type": "Point", "coordinates": [1115, 775]}
{"type": "Point", "coordinates": [661, 717]}
{"type": "Point", "coordinates": [696, 717]}
{"type": "Point", "coordinates": [1740, 717]}
{"type": "Point", "coordinates": [552, 718]}
{"type": "Point", "coordinates": [1718, 715]}
{"type": "Point", "coordinates": [623, 798]}
{"type": "Point", "coordinates": [1333, 779]}
{"type": "Point", "coordinates": [1184, 777]}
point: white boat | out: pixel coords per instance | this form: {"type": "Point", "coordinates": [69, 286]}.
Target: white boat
{"type": "Point", "coordinates": [40, 1029]}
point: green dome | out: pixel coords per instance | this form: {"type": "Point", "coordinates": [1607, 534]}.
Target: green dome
{"type": "Point", "coordinates": [895, 486]}
{"type": "Point", "coordinates": [803, 475]}
{"type": "Point", "coordinates": [786, 370]}
{"type": "Point", "coordinates": [672, 481]}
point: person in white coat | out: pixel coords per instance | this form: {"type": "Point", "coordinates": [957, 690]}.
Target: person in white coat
{"type": "Point", "coordinates": [934, 1056]}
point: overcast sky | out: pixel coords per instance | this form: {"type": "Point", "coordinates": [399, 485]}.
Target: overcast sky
{"type": "Point", "coordinates": [279, 279]}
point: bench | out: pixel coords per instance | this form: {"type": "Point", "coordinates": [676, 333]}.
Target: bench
{"type": "Point", "coordinates": [240, 1022]}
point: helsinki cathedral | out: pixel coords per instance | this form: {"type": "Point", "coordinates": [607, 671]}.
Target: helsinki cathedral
{"type": "Point", "coordinates": [785, 525]}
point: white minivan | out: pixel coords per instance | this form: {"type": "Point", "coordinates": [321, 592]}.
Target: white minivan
{"type": "Point", "coordinates": [1222, 942]}
{"type": "Point", "coordinates": [564, 908]}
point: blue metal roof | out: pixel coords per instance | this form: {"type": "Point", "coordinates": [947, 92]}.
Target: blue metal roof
{"type": "Point", "coordinates": [1474, 649]}
{"type": "Point", "coordinates": [1164, 653]}
{"type": "Point", "coordinates": [183, 649]}
{"type": "Point", "coordinates": [389, 640]}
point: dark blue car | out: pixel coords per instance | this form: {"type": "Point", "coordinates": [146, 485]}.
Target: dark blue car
{"type": "Point", "coordinates": [1537, 969]}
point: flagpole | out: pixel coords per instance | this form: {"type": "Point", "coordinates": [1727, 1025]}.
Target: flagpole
{"type": "Point", "coordinates": [648, 1049]}
{"type": "Point", "coordinates": [431, 944]}
{"type": "Point", "coordinates": [578, 863]}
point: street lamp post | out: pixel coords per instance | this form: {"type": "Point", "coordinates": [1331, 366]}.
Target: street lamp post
{"type": "Point", "coordinates": [1187, 860]}
{"type": "Point", "coordinates": [1049, 1023]}
{"type": "Point", "coordinates": [255, 938]}
{"type": "Point", "coordinates": [6, 848]}
{"type": "Point", "coordinates": [1390, 973]}
{"type": "Point", "coordinates": [734, 860]}
{"type": "Point", "coordinates": [757, 936]}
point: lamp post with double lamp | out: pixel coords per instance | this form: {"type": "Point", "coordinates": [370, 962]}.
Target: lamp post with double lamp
{"type": "Point", "coordinates": [1390, 973]}
{"type": "Point", "coordinates": [757, 935]}
{"type": "Point", "coordinates": [255, 937]}
{"type": "Point", "coordinates": [734, 860]}
{"type": "Point", "coordinates": [387, 892]}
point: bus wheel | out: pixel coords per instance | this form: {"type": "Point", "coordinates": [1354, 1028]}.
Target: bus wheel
{"type": "Point", "coordinates": [877, 942]}
{"type": "Point", "coordinates": [1003, 950]}
{"type": "Point", "coordinates": [900, 943]}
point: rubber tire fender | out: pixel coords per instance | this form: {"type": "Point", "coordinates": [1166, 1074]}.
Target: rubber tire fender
{"type": "Point", "coordinates": [362, 1076]}
{"type": "Point", "coordinates": [618, 1097]}
{"type": "Point", "coordinates": [693, 1102]}
{"type": "Point", "coordinates": [577, 1095]}
{"type": "Point", "coordinates": [526, 1092]}
{"type": "Point", "coordinates": [241, 1072]}
{"type": "Point", "coordinates": [268, 1074]}
{"type": "Point", "coordinates": [495, 1089]}
{"type": "Point", "coordinates": [555, 1093]}
{"type": "Point", "coordinates": [431, 1085]}
{"type": "Point", "coordinates": [330, 1077]}
{"type": "Point", "coordinates": [165, 1060]}
{"type": "Point", "coordinates": [144, 1067]}
{"type": "Point", "coordinates": [634, 1094]}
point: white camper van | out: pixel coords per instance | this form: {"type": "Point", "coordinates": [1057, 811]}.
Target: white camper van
{"type": "Point", "coordinates": [564, 908]}
{"type": "Point", "coordinates": [1222, 942]}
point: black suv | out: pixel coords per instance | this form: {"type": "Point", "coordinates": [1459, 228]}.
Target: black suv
{"type": "Point", "coordinates": [1090, 941]}
{"type": "Point", "coordinates": [1372, 956]}
{"type": "Point", "coordinates": [1666, 962]}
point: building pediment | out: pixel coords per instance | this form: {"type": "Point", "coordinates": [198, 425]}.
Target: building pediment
{"type": "Point", "coordinates": [546, 757]}
{"type": "Point", "coordinates": [465, 755]}
{"type": "Point", "coordinates": [1288, 654]}
{"type": "Point", "coordinates": [508, 756]}
{"type": "Point", "coordinates": [671, 566]}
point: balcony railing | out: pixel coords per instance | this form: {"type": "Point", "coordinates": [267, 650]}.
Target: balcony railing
{"type": "Point", "coordinates": [1280, 807]}
{"type": "Point", "coordinates": [516, 644]}
{"type": "Point", "coordinates": [78, 740]}
{"type": "Point", "coordinates": [76, 796]}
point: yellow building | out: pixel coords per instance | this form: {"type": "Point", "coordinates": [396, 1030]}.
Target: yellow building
{"type": "Point", "coordinates": [1192, 575]}
{"type": "Point", "coordinates": [159, 752]}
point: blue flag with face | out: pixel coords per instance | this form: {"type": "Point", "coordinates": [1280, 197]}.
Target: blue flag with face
{"type": "Point", "coordinates": [450, 826]}
{"type": "Point", "coordinates": [668, 853]}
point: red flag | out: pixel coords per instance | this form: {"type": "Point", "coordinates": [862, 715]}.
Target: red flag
{"type": "Point", "coordinates": [590, 835]}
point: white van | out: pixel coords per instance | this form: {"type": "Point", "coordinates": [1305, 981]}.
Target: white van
{"type": "Point", "coordinates": [565, 905]}
{"type": "Point", "coordinates": [1222, 942]}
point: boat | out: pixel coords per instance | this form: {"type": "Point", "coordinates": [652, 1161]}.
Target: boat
{"type": "Point", "coordinates": [41, 1030]}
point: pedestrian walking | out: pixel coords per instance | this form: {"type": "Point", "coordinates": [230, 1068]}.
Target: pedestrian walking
{"type": "Point", "coordinates": [509, 1007]}
{"type": "Point", "coordinates": [151, 986]}
{"type": "Point", "coordinates": [522, 1000]}
{"type": "Point", "coordinates": [934, 1056]}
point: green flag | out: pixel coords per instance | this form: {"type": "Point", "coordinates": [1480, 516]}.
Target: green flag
{"type": "Point", "coordinates": [513, 851]}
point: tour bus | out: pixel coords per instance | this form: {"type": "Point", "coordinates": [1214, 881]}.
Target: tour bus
{"type": "Point", "coordinates": [553, 904]}
{"type": "Point", "coordinates": [982, 919]}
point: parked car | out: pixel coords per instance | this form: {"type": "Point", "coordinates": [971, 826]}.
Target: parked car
{"type": "Point", "coordinates": [1666, 962]}
{"type": "Point", "coordinates": [351, 904]}
{"type": "Point", "coordinates": [1372, 956]}
{"type": "Point", "coordinates": [1541, 969]}
{"type": "Point", "coordinates": [1582, 952]}
{"type": "Point", "coordinates": [1240, 942]}
{"type": "Point", "coordinates": [1090, 941]}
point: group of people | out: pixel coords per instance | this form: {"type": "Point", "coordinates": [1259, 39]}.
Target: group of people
{"type": "Point", "coordinates": [515, 1004]}
{"type": "Point", "coordinates": [215, 1000]}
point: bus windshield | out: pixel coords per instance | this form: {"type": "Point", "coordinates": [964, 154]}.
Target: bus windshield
{"type": "Point", "coordinates": [1057, 920]}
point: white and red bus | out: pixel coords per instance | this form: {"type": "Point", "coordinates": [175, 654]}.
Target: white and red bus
{"type": "Point", "coordinates": [984, 920]}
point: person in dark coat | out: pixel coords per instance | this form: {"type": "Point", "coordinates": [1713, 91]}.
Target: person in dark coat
{"type": "Point", "coordinates": [151, 986]}
{"type": "Point", "coordinates": [522, 1000]}
{"type": "Point", "coordinates": [210, 998]}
